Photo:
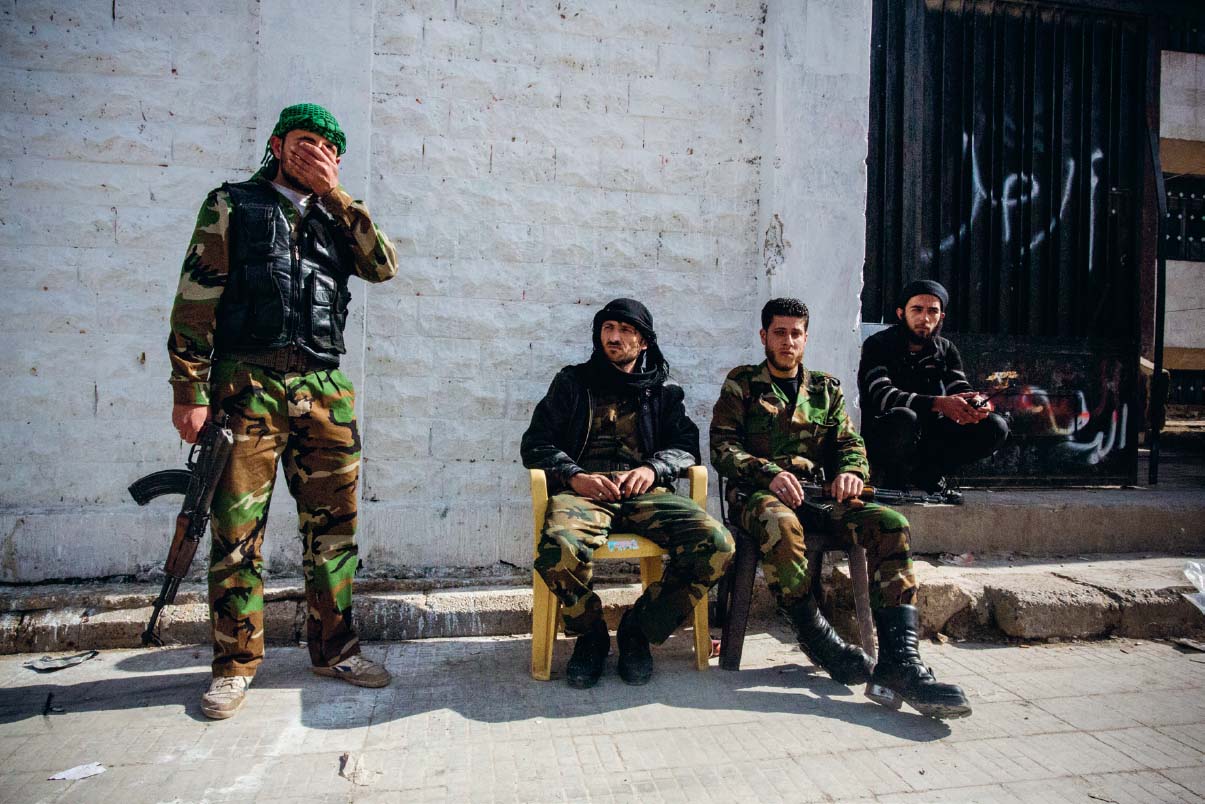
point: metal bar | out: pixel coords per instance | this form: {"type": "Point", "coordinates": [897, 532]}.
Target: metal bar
{"type": "Point", "coordinates": [1157, 405]}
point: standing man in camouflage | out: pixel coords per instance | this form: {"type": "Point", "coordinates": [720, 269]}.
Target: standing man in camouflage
{"type": "Point", "coordinates": [612, 435]}
{"type": "Point", "coordinates": [773, 424]}
{"type": "Point", "coordinates": [256, 333]}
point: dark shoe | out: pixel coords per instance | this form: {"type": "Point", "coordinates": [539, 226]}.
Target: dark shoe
{"type": "Point", "coordinates": [846, 664]}
{"type": "Point", "coordinates": [901, 677]}
{"type": "Point", "coordinates": [589, 657]}
{"type": "Point", "coordinates": [635, 658]}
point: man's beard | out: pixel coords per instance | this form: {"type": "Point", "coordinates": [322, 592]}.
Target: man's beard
{"type": "Point", "coordinates": [622, 365]}
{"type": "Point", "coordinates": [286, 177]}
{"type": "Point", "coordinates": [773, 360]}
{"type": "Point", "coordinates": [914, 337]}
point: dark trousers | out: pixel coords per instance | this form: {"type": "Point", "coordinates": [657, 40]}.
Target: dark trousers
{"type": "Point", "coordinates": [907, 449]}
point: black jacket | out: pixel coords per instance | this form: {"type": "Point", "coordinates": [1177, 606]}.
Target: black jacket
{"type": "Point", "coordinates": [892, 376]}
{"type": "Point", "coordinates": [560, 425]}
{"type": "Point", "coordinates": [285, 288]}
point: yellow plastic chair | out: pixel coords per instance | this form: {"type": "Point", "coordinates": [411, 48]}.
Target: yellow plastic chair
{"type": "Point", "coordinates": [546, 609]}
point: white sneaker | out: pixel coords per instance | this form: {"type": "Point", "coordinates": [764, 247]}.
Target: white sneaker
{"type": "Point", "coordinates": [358, 670]}
{"type": "Point", "coordinates": [225, 696]}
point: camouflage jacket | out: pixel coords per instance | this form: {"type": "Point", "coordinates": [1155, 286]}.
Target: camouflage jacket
{"type": "Point", "coordinates": [207, 265]}
{"type": "Point", "coordinates": [755, 433]}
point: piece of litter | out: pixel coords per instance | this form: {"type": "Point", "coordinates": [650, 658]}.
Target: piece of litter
{"type": "Point", "coordinates": [940, 638]}
{"type": "Point", "coordinates": [78, 772]}
{"type": "Point", "coordinates": [48, 664]}
{"type": "Point", "coordinates": [353, 769]}
{"type": "Point", "coordinates": [1191, 644]}
{"type": "Point", "coordinates": [963, 560]}
{"type": "Point", "coordinates": [1194, 571]}
{"type": "Point", "coordinates": [715, 649]}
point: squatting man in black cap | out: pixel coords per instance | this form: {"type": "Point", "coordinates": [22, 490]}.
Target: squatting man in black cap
{"type": "Point", "coordinates": [612, 435]}
{"type": "Point", "coordinates": [922, 417]}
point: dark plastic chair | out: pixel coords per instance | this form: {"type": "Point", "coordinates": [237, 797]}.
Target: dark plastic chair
{"type": "Point", "coordinates": [734, 593]}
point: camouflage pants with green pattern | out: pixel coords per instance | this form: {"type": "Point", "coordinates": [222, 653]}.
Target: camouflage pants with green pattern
{"type": "Point", "coordinates": [882, 531]}
{"type": "Point", "coordinates": [699, 550]}
{"type": "Point", "coordinates": [308, 421]}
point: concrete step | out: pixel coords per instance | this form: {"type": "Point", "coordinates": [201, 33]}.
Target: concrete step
{"type": "Point", "coordinates": [983, 598]}
{"type": "Point", "coordinates": [1167, 520]}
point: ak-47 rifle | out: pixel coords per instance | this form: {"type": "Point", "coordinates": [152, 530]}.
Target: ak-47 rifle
{"type": "Point", "coordinates": [206, 461]}
{"type": "Point", "coordinates": [818, 498]}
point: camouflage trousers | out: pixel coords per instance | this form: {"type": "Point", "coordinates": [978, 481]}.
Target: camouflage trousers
{"type": "Point", "coordinates": [308, 421]}
{"type": "Point", "coordinates": [882, 531]}
{"type": "Point", "coordinates": [699, 550]}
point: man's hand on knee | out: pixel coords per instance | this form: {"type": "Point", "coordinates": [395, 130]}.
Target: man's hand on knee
{"type": "Point", "coordinates": [636, 481]}
{"type": "Point", "coordinates": [786, 487]}
{"type": "Point", "coordinates": [595, 487]}
{"type": "Point", "coordinates": [847, 486]}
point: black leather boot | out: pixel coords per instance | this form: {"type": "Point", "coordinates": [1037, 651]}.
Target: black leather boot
{"type": "Point", "coordinates": [901, 677]}
{"type": "Point", "coordinates": [589, 657]}
{"type": "Point", "coordinates": [635, 658]}
{"type": "Point", "coordinates": [846, 664]}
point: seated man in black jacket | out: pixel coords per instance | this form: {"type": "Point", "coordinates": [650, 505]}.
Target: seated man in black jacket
{"type": "Point", "coordinates": [612, 435]}
{"type": "Point", "coordinates": [921, 418]}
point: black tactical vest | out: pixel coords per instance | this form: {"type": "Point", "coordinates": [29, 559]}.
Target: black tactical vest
{"type": "Point", "coordinates": [284, 288]}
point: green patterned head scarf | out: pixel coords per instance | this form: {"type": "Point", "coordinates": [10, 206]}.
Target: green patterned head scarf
{"type": "Point", "coordinates": [308, 117]}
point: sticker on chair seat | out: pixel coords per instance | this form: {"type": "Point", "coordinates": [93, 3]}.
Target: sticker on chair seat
{"type": "Point", "coordinates": [623, 544]}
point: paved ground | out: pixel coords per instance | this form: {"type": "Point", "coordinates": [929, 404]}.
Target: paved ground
{"type": "Point", "coordinates": [1111, 721]}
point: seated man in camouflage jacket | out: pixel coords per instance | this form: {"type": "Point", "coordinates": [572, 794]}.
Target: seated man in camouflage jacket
{"type": "Point", "coordinates": [613, 436]}
{"type": "Point", "coordinates": [772, 425]}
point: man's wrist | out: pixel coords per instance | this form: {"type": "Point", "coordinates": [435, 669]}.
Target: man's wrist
{"type": "Point", "coordinates": [190, 393]}
{"type": "Point", "coordinates": [769, 472]}
{"type": "Point", "coordinates": [336, 200]}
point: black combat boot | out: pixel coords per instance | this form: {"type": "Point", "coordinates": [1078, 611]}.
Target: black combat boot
{"type": "Point", "coordinates": [589, 657]}
{"type": "Point", "coordinates": [846, 664]}
{"type": "Point", "coordinates": [635, 658]}
{"type": "Point", "coordinates": [900, 676]}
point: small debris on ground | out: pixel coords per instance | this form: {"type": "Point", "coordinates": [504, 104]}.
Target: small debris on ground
{"type": "Point", "coordinates": [940, 638]}
{"type": "Point", "coordinates": [962, 560]}
{"type": "Point", "coordinates": [1191, 644]}
{"type": "Point", "coordinates": [78, 772]}
{"type": "Point", "coordinates": [353, 769]}
{"type": "Point", "coordinates": [48, 664]}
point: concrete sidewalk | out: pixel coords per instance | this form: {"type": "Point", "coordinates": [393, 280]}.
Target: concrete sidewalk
{"type": "Point", "coordinates": [1116, 720]}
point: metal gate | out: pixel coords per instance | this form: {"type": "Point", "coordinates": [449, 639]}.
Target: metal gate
{"type": "Point", "coordinates": [1006, 161]}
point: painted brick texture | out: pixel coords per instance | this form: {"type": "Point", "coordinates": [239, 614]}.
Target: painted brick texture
{"type": "Point", "coordinates": [530, 159]}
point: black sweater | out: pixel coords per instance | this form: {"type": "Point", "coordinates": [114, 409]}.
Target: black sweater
{"type": "Point", "coordinates": [892, 376]}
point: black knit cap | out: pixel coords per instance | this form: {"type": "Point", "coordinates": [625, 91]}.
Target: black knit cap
{"type": "Point", "coordinates": [628, 311]}
{"type": "Point", "coordinates": [924, 287]}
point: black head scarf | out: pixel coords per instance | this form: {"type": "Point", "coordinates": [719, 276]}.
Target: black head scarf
{"type": "Point", "coordinates": [650, 370]}
{"type": "Point", "coordinates": [924, 287]}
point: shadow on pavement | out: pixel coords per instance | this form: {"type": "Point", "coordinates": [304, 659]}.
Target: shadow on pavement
{"type": "Point", "coordinates": [483, 680]}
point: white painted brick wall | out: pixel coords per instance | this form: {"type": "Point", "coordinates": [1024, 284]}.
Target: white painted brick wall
{"type": "Point", "coordinates": [113, 126]}
{"type": "Point", "coordinates": [534, 160]}
{"type": "Point", "coordinates": [530, 159]}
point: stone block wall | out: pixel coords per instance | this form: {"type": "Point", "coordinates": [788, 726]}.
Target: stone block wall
{"type": "Point", "coordinates": [531, 159]}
